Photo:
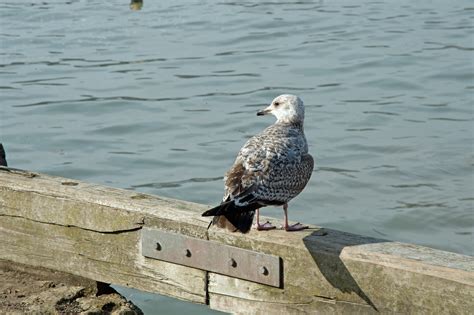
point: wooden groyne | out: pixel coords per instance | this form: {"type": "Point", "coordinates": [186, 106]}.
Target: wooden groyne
{"type": "Point", "coordinates": [114, 236]}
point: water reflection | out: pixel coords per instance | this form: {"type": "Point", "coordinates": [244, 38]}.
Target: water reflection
{"type": "Point", "coordinates": [136, 5]}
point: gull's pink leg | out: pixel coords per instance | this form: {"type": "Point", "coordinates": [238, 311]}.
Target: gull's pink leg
{"type": "Point", "coordinates": [295, 227]}
{"type": "Point", "coordinates": [265, 226]}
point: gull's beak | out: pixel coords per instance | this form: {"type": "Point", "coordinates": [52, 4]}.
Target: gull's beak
{"type": "Point", "coordinates": [265, 111]}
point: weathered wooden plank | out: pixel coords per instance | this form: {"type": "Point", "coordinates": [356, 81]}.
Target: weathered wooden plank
{"type": "Point", "coordinates": [94, 231]}
{"type": "Point", "coordinates": [317, 305]}
{"type": "Point", "coordinates": [106, 257]}
{"type": "Point", "coordinates": [91, 206]}
{"type": "Point", "coordinates": [331, 270]}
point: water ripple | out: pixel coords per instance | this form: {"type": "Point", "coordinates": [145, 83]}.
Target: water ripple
{"type": "Point", "coordinates": [380, 113]}
{"type": "Point", "coordinates": [447, 46]}
{"type": "Point", "coordinates": [190, 76]}
{"type": "Point", "coordinates": [361, 129]}
{"type": "Point", "coordinates": [341, 171]}
{"type": "Point", "coordinates": [122, 152]}
{"type": "Point", "coordinates": [178, 183]}
{"type": "Point", "coordinates": [109, 98]}
{"type": "Point", "coordinates": [449, 119]}
{"type": "Point", "coordinates": [42, 81]}
{"type": "Point", "coordinates": [359, 101]}
{"type": "Point", "coordinates": [25, 63]}
{"type": "Point", "coordinates": [118, 63]}
{"type": "Point", "coordinates": [267, 88]}
{"type": "Point", "coordinates": [411, 205]}
{"type": "Point", "coordinates": [404, 186]}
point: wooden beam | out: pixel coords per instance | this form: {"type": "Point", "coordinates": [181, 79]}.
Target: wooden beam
{"type": "Point", "coordinates": [94, 231]}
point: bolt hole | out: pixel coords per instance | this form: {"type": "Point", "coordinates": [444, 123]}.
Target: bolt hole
{"type": "Point", "coordinates": [158, 246]}
{"type": "Point", "coordinates": [264, 271]}
{"type": "Point", "coordinates": [232, 263]}
{"type": "Point", "coordinates": [187, 253]}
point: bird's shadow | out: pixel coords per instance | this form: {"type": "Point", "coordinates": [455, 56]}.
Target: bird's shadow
{"type": "Point", "coordinates": [325, 246]}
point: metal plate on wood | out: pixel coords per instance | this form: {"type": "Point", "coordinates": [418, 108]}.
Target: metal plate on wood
{"type": "Point", "coordinates": [212, 256]}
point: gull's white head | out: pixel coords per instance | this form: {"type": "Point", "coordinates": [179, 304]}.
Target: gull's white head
{"type": "Point", "coordinates": [286, 108]}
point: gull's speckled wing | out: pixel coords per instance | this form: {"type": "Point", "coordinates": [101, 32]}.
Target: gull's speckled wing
{"type": "Point", "coordinates": [271, 168]}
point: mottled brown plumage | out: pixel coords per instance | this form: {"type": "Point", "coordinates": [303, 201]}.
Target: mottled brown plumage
{"type": "Point", "coordinates": [272, 168]}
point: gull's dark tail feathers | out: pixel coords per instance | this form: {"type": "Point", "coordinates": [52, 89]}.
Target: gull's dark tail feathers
{"type": "Point", "coordinates": [233, 217]}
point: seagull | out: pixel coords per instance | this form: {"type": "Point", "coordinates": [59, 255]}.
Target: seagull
{"type": "Point", "coordinates": [271, 168]}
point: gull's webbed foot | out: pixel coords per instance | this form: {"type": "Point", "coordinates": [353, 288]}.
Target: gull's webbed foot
{"type": "Point", "coordinates": [265, 226]}
{"type": "Point", "coordinates": [295, 227]}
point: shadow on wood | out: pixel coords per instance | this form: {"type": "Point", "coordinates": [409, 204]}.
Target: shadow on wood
{"type": "Point", "coordinates": [328, 260]}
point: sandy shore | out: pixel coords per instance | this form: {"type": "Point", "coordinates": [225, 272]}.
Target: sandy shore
{"type": "Point", "coordinates": [24, 289]}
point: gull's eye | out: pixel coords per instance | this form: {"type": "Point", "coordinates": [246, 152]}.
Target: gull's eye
{"type": "Point", "coordinates": [276, 103]}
